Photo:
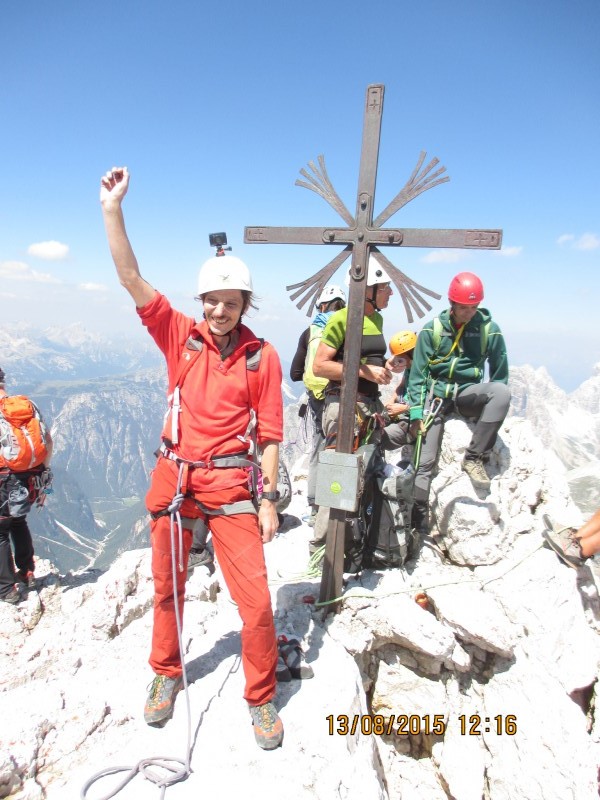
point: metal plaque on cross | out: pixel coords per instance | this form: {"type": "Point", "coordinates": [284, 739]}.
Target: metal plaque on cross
{"type": "Point", "coordinates": [362, 237]}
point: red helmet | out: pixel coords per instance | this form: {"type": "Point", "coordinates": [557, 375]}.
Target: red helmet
{"type": "Point", "coordinates": [466, 289]}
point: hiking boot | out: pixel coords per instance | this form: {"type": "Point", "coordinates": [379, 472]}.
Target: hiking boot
{"type": "Point", "coordinates": [268, 728]}
{"type": "Point", "coordinates": [161, 700]}
{"type": "Point", "coordinates": [27, 577]}
{"type": "Point", "coordinates": [564, 543]}
{"type": "Point", "coordinates": [201, 558]}
{"type": "Point", "coordinates": [13, 597]}
{"type": "Point", "coordinates": [476, 472]}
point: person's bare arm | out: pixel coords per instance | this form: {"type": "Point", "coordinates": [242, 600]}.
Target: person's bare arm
{"type": "Point", "coordinates": [324, 366]}
{"type": "Point", "coordinates": [268, 521]}
{"type": "Point", "coordinates": [113, 188]}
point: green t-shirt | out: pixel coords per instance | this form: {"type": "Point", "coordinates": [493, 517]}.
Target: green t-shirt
{"type": "Point", "coordinates": [373, 346]}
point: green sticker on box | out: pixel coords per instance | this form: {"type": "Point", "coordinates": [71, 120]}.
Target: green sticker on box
{"type": "Point", "coordinates": [335, 487]}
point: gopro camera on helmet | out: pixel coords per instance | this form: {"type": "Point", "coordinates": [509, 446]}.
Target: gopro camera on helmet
{"type": "Point", "coordinates": [218, 240]}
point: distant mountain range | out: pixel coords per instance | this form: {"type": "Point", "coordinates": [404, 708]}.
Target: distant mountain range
{"type": "Point", "coordinates": [105, 402]}
{"type": "Point", "coordinates": [567, 424]}
{"type": "Point", "coordinates": [29, 356]}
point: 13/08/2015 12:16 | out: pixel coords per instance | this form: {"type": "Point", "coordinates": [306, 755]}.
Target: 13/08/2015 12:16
{"type": "Point", "coordinates": [414, 724]}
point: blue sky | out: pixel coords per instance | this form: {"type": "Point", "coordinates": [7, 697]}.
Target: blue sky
{"type": "Point", "coordinates": [216, 107]}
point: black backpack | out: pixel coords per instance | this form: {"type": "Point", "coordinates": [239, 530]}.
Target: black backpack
{"type": "Point", "coordinates": [379, 535]}
{"type": "Point", "coordinates": [358, 523]}
{"type": "Point", "coordinates": [389, 542]}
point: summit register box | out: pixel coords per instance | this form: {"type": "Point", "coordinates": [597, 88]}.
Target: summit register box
{"type": "Point", "coordinates": [339, 479]}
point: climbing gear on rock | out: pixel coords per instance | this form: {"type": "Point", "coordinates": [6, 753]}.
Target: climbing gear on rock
{"type": "Point", "coordinates": [291, 652]}
{"type": "Point", "coordinates": [161, 700]}
{"type": "Point", "coordinates": [268, 728]}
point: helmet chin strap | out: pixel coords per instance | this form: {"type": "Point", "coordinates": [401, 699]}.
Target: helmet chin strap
{"type": "Point", "coordinates": [372, 299]}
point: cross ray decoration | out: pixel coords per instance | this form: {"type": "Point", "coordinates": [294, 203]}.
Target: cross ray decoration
{"type": "Point", "coordinates": [364, 236]}
{"type": "Point", "coordinates": [423, 177]}
{"type": "Point", "coordinates": [320, 183]}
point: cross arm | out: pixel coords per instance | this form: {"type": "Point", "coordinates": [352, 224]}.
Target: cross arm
{"type": "Point", "coordinates": [285, 235]}
{"type": "Point", "coordinates": [271, 235]}
{"type": "Point", "coordinates": [490, 239]}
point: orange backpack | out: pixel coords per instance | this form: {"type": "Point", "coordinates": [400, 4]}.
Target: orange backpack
{"type": "Point", "coordinates": [22, 434]}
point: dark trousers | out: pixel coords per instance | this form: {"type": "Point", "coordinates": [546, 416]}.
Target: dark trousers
{"type": "Point", "coordinates": [15, 530]}
{"type": "Point", "coordinates": [486, 404]}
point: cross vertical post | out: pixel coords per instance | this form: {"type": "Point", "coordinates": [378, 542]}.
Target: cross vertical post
{"type": "Point", "coordinates": [333, 563]}
{"type": "Point", "coordinates": [360, 238]}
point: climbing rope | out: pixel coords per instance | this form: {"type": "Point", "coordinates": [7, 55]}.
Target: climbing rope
{"type": "Point", "coordinates": [367, 593]}
{"type": "Point", "coordinates": [312, 571]}
{"type": "Point", "coordinates": [176, 769]}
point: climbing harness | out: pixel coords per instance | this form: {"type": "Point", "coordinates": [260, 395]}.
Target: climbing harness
{"type": "Point", "coordinates": [216, 462]}
{"type": "Point", "coordinates": [455, 343]}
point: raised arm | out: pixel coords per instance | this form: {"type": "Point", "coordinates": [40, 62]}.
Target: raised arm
{"type": "Point", "coordinates": [113, 188]}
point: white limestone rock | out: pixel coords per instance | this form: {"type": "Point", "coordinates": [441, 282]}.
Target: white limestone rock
{"type": "Point", "coordinates": [399, 690]}
{"type": "Point", "coordinates": [540, 761]}
{"type": "Point", "coordinates": [476, 617]}
{"type": "Point", "coordinates": [398, 620]}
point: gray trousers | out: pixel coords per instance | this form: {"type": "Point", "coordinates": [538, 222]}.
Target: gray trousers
{"type": "Point", "coordinates": [395, 435]}
{"type": "Point", "coordinates": [318, 443]}
{"type": "Point", "coordinates": [485, 402]}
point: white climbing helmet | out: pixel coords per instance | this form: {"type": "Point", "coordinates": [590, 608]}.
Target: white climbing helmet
{"type": "Point", "coordinates": [376, 273]}
{"type": "Point", "coordinates": [331, 293]}
{"type": "Point", "coordinates": [223, 272]}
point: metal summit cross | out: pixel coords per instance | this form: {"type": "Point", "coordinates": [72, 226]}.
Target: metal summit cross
{"type": "Point", "coordinates": [363, 236]}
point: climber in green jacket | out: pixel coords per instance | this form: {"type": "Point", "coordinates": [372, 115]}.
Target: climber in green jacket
{"type": "Point", "coordinates": [449, 364]}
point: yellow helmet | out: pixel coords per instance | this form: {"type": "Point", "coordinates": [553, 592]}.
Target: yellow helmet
{"type": "Point", "coordinates": [402, 342]}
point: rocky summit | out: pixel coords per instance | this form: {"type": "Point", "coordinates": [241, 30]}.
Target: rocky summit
{"type": "Point", "coordinates": [485, 688]}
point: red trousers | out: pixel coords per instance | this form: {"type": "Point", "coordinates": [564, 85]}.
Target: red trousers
{"type": "Point", "coordinates": [239, 550]}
